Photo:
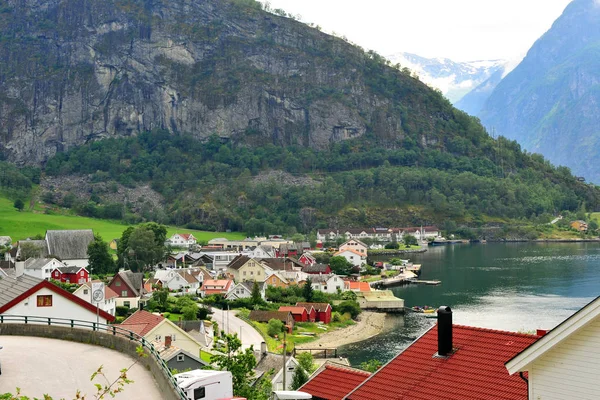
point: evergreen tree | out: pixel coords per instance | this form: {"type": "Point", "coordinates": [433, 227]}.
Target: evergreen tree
{"type": "Point", "coordinates": [19, 204]}
{"type": "Point", "coordinates": [256, 297]}
{"type": "Point", "coordinates": [100, 260]}
{"type": "Point", "coordinates": [300, 378]}
{"type": "Point", "coordinates": [307, 290]}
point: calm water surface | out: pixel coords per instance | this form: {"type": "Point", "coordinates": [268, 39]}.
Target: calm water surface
{"type": "Point", "coordinates": [512, 286]}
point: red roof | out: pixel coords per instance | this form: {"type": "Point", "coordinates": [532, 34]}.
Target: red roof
{"type": "Point", "coordinates": [360, 286]}
{"type": "Point", "coordinates": [293, 310]}
{"type": "Point", "coordinates": [141, 322]}
{"type": "Point", "coordinates": [334, 382]}
{"type": "Point", "coordinates": [475, 371]}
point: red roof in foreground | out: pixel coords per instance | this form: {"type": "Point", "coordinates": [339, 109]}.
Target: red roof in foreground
{"type": "Point", "coordinates": [334, 382]}
{"type": "Point", "coordinates": [141, 322]}
{"type": "Point", "coordinates": [475, 371]}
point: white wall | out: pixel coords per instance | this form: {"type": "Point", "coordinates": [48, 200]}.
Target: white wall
{"type": "Point", "coordinates": [61, 308]}
{"type": "Point", "coordinates": [570, 370]}
{"type": "Point", "coordinates": [134, 302]}
{"type": "Point", "coordinates": [81, 263]}
{"type": "Point", "coordinates": [108, 305]}
{"type": "Point", "coordinates": [331, 286]}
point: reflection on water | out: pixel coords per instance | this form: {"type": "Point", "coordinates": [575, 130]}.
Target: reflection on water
{"type": "Point", "coordinates": [513, 286]}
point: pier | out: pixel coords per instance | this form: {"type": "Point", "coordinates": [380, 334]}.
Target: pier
{"type": "Point", "coordinates": [406, 278]}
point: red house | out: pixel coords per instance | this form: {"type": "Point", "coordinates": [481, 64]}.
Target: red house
{"type": "Point", "coordinates": [312, 313]}
{"type": "Point", "coordinates": [317, 269]}
{"type": "Point", "coordinates": [287, 250]}
{"type": "Point", "coordinates": [299, 313]}
{"type": "Point", "coordinates": [322, 311]}
{"type": "Point", "coordinates": [307, 259]}
{"type": "Point", "coordinates": [71, 274]}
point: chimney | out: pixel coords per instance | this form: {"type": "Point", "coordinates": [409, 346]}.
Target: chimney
{"type": "Point", "coordinates": [444, 326]}
{"type": "Point", "coordinates": [19, 268]}
{"type": "Point", "coordinates": [263, 348]}
{"type": "Point", "coordinates": [167, 341]}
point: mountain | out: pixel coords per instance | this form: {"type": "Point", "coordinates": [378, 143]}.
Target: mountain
{"type": "Point", "coordinates": [454, 79]}
{"type": "Point", "coordinates": [550, 103]}
{"type": "Point", "coordinates": [74, 71]}
{"type": "Point", "coordinates": [219, 115]}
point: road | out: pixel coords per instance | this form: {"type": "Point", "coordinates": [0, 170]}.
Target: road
{"type": "Point", "coordinates": [231, 324]}
{"type": "Point", "coordinates": [59, 368]}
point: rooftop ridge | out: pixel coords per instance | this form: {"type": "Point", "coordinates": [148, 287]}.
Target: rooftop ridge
{"type": "Point", "coordinates": [490, 330]}
{"type": "Point", "coordinates": [343, 368]}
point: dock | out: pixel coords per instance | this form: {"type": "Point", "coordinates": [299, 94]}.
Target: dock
{"type": "Point", "coordinates": [407, 278]}
{"type": "Point", "coordinates": [424, 282]}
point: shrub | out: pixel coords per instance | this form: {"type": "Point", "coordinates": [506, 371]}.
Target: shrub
{"type": "Point", "coordinates": [122, 311]}
{"type": "Point", "coordinates": [275, 327]}
{"type": "Point", "coordinates": [350, 307]}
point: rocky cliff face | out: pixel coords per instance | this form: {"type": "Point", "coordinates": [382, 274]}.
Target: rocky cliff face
{"type": "Point", "coordinates": [550, 103]}
{"type": "Point", "coordinates": [73, 71]}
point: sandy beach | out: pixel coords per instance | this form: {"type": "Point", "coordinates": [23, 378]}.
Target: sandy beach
{"type": "Point", "coordinates": [368, 325]}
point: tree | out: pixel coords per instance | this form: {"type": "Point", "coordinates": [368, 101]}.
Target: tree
{"type": "Point", "coordinates": [275, 327]}
{"type": "Point", "coordinates": [142, 246]}
{"type": "Point", "coordinates": [299, 378]}
{"type": "Point", "coordinates": [100, 260]}
{"type": "Point", "coordinates": [340, 266]}
{"type": "Point", "coordinates": [190, 312]}
{"type": "Point", "coordinates": [410, 240]}
{"type": "Point", "coordinates": [392, 246]}
{"type": "Point", "coordinates": [161, 296]}
{"type": "Point", "coordinates": [371, 365]}
{"type": "Point", "coordinates": [350, 307]}
{"type": "Point", "coordinates": [241, 364]}
{"type": "Point", "coordinates": [593, 225]}
{"type": "Point", "coordinates": [306, 361]}
{"type": "Point", "coordinates": [19, 204]}
{"type": "Point", "coordinates": [256, 296]}
{"type": "Point", "coordinates": [307, 290]}
{"type": "Point", "coordinates": [29, 250]}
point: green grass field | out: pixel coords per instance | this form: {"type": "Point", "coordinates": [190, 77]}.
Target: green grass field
{"type": "Point", "coordinates": [24, 224]}
{"type": "Point", "coordinates": [596, 216]}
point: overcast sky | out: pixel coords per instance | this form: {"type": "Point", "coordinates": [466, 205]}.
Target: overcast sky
{"type": "Point", "coordinates": [462, 30]}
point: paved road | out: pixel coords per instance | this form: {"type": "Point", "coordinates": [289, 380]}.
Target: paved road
{"type": "Point", "coordinates": [56, 367]}
{"type": "Point", "coordinates": [249, 335]}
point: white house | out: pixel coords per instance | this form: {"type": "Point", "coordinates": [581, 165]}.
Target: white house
{"type": "Point", "coordinates": [70, 246]}
{"type": "Point", "coordinates": [34, 297]}
{"type": "Point", "coordinates": [41, 267]}
{"type": "Point", "coordinates": [179, 280]}
{"type": "Point", "coordinates": [261, 252]}
{"type": "Point", "coordinates": [109, 304]}
{"type": "Point", "coordinates": [356, 245]}
{"type": "Point", "coordinates": [354, 257]}
{"type": "Point", "coordinates": [562, 363]}
{"type": "Point", "coordinates": [327, 283]}
{"type": "Point", "coordinates": [243, 290]}
{"type": "Point", "coordinates": [181, 240]}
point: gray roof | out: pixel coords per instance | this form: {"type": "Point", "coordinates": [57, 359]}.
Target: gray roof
{"type": "Point", "coordinates": [319, 278]}
{"type": "Point", "coordinates": [250, 285]}
{"type": "Point", "coordinates": [69, 244]}
{"type": "Point", "coordinates": [5, 240]}
{"type": "Point", "coordinates": [39, 244]}
{"type": "Point", "coordinates": [37, 263]}
{"type": "Point", "coordinates": [134, 280]}
{"type": "Point", "coordinates": [10, 288]}
{"type": "Point", "coordinates": [69, 270]}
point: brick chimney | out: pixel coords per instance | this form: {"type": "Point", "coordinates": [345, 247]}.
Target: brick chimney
{"type": "Point", "coordinates": [168, 341]}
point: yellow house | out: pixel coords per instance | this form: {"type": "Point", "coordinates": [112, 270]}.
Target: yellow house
{"type": "Point", "coordinates": [114, 244]}
{"type": "Point", "coordinates": [274, 279]}
{"type": "Point", "coordinates": [155, 327]}
{"type": "Point", "coordinates": [244, 268]}
{"type": "Point", "coordinates": [581, 226]}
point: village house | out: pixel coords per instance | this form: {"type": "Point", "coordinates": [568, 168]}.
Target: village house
{"type": "Point", "coordinates": [317, 269]}
{"type": "Point", "coordinates": [561, 364]}
{"type": "Point", "coordinates": [201, 332]}
{"type": "Point", "coordinates": [379, 300]}
{"type": "Point", "coordinates": [334, 381]}
{"type": "Point", "coordinates": [299, 313]}
{"type": "Point", "coordinates": [265, 316]}
{"type": "Point", "coordinates": [277, 280]}
{"type": "Point", "coordinates": [130, 288]}
{"type": "Point", "coordinates": [216, 286]}
{"type": "Point", "coordinates": [76, 275]}
{"type": "Point", "coordinates": [218, 260]}
{"type": "Point", "coordinates": [287, 250]}
{"type": "Point", "coordinates": [357, 286]}
{"type": "Point", "coordinates": [181, 240]}
{"type": "Point", "coordinates": [468, 363]}
{"type": "Point", "coordinates": [70, 246]}
{"type": "Point", "coordinates": [114, 244]}
{"type": "Point", "coordinates": [353, 257]}
{"type": "Point", "coordinates": [41, 267]}
{"type": "Point", "coordinates": [354, 245]}
{"type": "Point", "coordinates": [322, 311]}
{"type": "Point", "coordinates": [243, 290]}
{"type": "Point", "coordinates": [327, 283]}
{"type": "Point", "coordinates": [267, 362]}
{"type": "Point", "coordinates": [307, 259]}
{"type": "Point", "coordinates": [109, 304]}
{"type": "Point", "coordinates": [579, 225]}
{"type": "Point", "coordinates": [177, 280]}
{"type": "Point", "coordinates": [154, 327]}
{"type": "Point", "coordinates": [243, 268]}
{"type": "Point", "coordinates": [261, 252]}
{"type": "Point", "coordinates": [176, 358]}
{"type": "Point", "coordinates": [25, 295]}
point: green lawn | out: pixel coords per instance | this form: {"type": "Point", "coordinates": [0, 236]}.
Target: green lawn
{"type": "Point", "coordinates": [21, 225]}
{"type": "Point", "coordinates": [596, 217]}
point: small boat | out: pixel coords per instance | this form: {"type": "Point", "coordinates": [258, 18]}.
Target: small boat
{"type": "Point", "coordinates": [425, 309]}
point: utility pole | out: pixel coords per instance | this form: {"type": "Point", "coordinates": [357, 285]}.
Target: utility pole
{"type": "Point", "coordinates": [284, 351]}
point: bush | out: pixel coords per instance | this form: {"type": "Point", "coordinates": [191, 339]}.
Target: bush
{"type": "Point", "coordinates": [336, 317]}
{"type": "Point", "coordinates": [392, 246]}
{"type": "Point", "coordinates": [275, 327]}
{"type": "Point", "coordinates": [350, 307]}
{"type": "Point", "coordinates": [122, 311]}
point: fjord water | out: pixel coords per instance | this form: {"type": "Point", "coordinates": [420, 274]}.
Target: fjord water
{"type": "Point", "coordinates": [507, 286]}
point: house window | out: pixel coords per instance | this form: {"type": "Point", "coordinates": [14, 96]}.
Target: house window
{"type": "Point", "coordinates": [44, 300]}
{"type": "Point", "coordinates": [180, 357]}
{"type": "Point", "coordinates": [251, 272]}
{"type": "Point", "coordinates": [127, 304]}
{"type": "Point", "coordinates": [85, 291]}
{"type": "Point", "coordinates": [118, 283]}
{"type": "Point", "coordinates": [123, 293]}
{"type": "Point", "coordinates": [157, 337]}
{"type": "Point", "coordinates": [173, 337]}
{"type": "Point", "coordinates": [324, 287]}
{"type": "Point", "coordinates": [244, 273]}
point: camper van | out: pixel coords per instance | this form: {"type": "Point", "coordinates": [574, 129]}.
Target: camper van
{"type": "Point", "coordinates": [205, 384]}
{"type": "Point", "coordinates": [290, 395]}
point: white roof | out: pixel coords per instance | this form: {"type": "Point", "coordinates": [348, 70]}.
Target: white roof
{"type": "Point", "coordinates": [291, 395]}
{"type": "Point", "coordinates": [185, 379]}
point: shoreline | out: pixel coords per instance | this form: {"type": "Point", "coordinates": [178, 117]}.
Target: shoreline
{"type": "Point", "coordinates": [369, 324]}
